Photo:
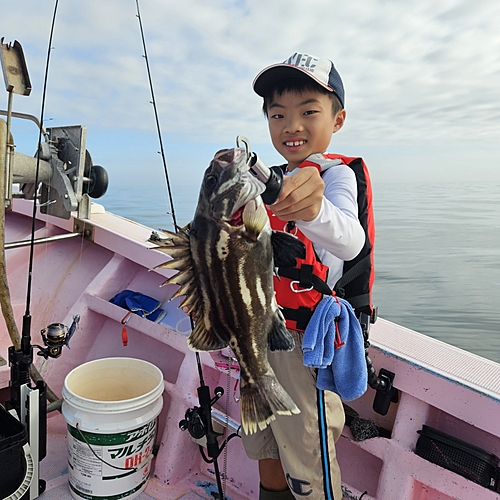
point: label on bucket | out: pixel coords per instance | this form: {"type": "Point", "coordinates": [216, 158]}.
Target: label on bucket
{"type": "Point", "coordinates": [110, 466]}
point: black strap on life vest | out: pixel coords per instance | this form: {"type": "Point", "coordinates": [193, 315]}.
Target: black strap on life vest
{"type": "Point", "coordinates": [301, 316]}
{"type": "Point", "coordinates": [357, 270]}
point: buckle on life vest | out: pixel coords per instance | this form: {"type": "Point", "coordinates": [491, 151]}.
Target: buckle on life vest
{"type": "Point", "coordinates": [296, 290]}
{"type": "Point", "coordinates": [305, 279]}
{"type": "Point", "coordinates": [291, 228]}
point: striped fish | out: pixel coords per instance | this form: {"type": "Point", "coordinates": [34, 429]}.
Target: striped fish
{"type": "Point", "coordinates": [225, 258]}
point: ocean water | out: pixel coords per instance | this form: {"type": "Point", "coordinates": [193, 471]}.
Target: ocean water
{"type": "Point", "coordinates": [437, 253]}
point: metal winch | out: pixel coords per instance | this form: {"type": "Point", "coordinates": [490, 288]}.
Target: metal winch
{"type": "Point", "coordinates": [62, 165]}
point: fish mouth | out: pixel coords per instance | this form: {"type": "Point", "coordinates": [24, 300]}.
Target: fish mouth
{"type": "Point", "coordinates": [247, 211]}
{"type": "Point", "coordinates": [237, 218]}
{"type": "Point", "coordinates": [238, 187]}
{"type": "Point", "coordinates": [251, 189]}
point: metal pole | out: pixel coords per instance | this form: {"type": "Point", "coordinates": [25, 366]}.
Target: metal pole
{"type": "Point", "coordinates": [48, 239]}
{"type": "Point", "coordinates": [25, 116]}
{"type": "Point", "coordinates": [8, 156]}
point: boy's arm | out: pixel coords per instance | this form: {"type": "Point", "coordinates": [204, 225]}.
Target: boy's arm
{"type": "Point", "coordinates": [327, 215]}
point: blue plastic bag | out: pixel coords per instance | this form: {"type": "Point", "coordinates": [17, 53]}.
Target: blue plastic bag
{"type": "Point", "coordinates": [140, 304]}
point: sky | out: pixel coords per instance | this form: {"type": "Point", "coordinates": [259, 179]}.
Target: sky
{"type": "Point", "coordinates": [422, 80]}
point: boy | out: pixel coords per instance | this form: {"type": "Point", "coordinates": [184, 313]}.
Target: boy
{"type": "Point", "coordinates": [304, 105]}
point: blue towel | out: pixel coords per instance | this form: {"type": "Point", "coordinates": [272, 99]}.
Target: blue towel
{"type": "Point", "coordinates": [342, 368]}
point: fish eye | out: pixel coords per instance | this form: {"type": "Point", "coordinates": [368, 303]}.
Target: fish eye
{"type": "Point", "coordinates": [210, 182]}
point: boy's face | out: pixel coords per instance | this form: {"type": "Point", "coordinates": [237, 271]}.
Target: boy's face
{"type": "Point", "coordinates": [302, 124]}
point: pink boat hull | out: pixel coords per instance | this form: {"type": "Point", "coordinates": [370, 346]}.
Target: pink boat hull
{"type": "Point", "coordinates": [439, 385]}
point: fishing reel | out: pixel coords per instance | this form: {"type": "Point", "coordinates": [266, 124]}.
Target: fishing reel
{"type": "Point", "coordinates": [55, 337]}
{"type": "Point", "coordinates": [195, 419]}
{"type": "Point", "coordinates": [271, 177]}
{"type": "Point", "coordinates": [193, 423]}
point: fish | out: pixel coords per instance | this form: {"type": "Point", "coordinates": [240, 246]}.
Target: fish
{"type": "Point", "coordinates": [225, 260]}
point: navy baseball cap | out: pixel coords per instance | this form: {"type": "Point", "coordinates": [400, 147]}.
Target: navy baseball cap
{"type": "Point", "coordinates": [305, 66]}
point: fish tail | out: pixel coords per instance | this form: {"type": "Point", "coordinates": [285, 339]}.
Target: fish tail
{"type": "Point", "coordinates": [261, 400]}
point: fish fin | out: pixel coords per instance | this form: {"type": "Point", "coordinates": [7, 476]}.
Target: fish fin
{"type": "Point", "coordinates": [181, 278]}
{"type": "Point", "coordinates": [279, 338]}
{"type": "Point", "coordinates": [261, 400]}
{"type": "Point", "coordinates": [187, 289]}
{"type": "Point", "coordinates": [181, 231]}
{"type": "Point", "coordinates": [181, 238]}
{"type": "Point", "coordinates": [190, 301]}
{"type": "Point", "coordinates": [202, 339]}
{"type": "Point", "coordinates": [175, 251]}
{"type": "Point", "coordinates": [254, 219]}
{"type": "Point", "coordinates": [286, 248]}
{"type": "Point", "coordinates": [180, 263]}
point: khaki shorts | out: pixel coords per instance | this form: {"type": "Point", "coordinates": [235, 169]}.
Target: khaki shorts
{"type": "Point", "coordinates": [305, 443]}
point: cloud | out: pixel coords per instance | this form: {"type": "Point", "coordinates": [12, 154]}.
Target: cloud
{"type": "Point", "coordinates": [416, 72]}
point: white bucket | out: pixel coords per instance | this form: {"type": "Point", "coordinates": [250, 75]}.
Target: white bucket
{"type": "Point", "coordinates": [111, 406]}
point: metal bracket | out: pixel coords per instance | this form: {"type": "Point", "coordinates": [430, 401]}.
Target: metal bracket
{"type": "Point", "coordinates": [85, 228]}
{"type": "Point", "coordinates": [67, 165]}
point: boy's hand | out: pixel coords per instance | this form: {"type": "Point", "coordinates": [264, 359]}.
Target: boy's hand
{"type": "Point", "coordinates": [301, 195]}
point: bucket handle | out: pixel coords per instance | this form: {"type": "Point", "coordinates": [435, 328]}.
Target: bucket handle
{"type": "Point", "coordinates": [133, 469]}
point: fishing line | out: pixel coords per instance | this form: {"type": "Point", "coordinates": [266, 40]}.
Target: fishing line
{"type": "Point", "coordinates": [211, 435]}
{"type": "Point", "coordinates": [153, 102]}
{"type": "Point", "coordinates": [27, 316]}
{"type": "Point", "coordinates": [226, 430]}
{"type": "Point", "coordinates": [162, 152]}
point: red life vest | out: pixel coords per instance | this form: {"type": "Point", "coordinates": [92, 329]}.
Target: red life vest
{"type": "Point", "coordinates": [300, 289]}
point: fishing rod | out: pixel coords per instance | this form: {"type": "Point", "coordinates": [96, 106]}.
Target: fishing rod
{"type": "Point", "coordinates": [26, 347]}
{"type": "Point", "coordinates": [153, 102]}
{"type": "Point", "coordinates": [21, 359]}
{"type": "Point", "coordinates": [198, 420]}
{"type": "Point", "coordinates": [30, 402]}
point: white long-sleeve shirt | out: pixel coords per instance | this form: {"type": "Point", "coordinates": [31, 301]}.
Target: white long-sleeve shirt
{"type": "Point", "coordinates": [336, 232]}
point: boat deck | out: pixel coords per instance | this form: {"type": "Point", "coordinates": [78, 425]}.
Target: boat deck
{"type": "Point", "coordinates": [54, 469]}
